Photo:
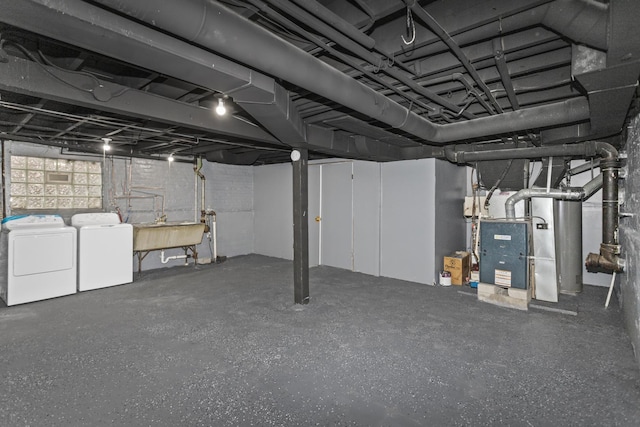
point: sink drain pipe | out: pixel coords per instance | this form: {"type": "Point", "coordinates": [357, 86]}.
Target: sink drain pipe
{"type": "Point", "coordinates": [172, 257]}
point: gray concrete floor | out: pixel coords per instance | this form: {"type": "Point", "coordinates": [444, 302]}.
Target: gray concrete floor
{"type": "Point", "coordinates": [225, 345]}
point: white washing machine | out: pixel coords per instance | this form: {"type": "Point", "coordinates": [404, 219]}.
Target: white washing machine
{"type": "Point", "coordinates": [38, 260]}
{"type": "Point", "coordinates": [105, 250]}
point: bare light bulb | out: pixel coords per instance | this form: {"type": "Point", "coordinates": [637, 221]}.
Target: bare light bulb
{"type": "Point", "coordinates": [106, 146]}
{"type": "Point", "coordinates": [221, 110]}
{"type": "Point", "coordinates": [170, 158]}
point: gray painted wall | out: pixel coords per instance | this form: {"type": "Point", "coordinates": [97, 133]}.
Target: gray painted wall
{"type": "Point", "coordinates": [450, 230]}
{"type": "Point", "coordinates": [406, 221]}
{"type": "Point", "coordinates": [629, 283]}
{"type": "Point", "coordinates": [229, 191]}
{"type": "Point", "coordinates": [396, 210]}
{"type": "Point", "coordinates": [412, 241]}
{"type": "Point", "coordinates": [273, 207]}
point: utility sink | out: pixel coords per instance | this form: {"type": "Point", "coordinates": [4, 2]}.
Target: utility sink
{"type": "Point", "coordinates": [156, 236]}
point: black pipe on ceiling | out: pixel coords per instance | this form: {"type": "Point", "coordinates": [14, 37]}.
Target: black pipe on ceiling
{"type": "Point", "coordinates": [361, 52]}
{"type": "Point", "coordinates": [437, 29]}
{"type": "Point", "coordinates": [348, 60]}
{"type": "Point", "coordinates": [463, 155]}
{"type": "Point", "coordinates": [230, 34]}
{"type": "Point", "coordinates": [337, 22]}
{"type": "Point", "coordinates": [582, 21]}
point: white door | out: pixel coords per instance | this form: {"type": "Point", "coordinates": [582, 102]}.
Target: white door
{"type": "Point", "coordinates": [336, 231]}
{"type": "Point", "coordinates": [314, 214]}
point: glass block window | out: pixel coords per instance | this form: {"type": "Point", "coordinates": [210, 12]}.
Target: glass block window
{"type": "Point", "coordinates": [38, 183]}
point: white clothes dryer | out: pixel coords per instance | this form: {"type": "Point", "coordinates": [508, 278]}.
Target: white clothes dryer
{"type": "Point", "coordinates": [38, 260]}
{"type": "Point", "coordinates": [105, 250]}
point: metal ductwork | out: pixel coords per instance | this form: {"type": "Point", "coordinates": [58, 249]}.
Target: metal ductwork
{"type": "Point", "coordinates": [232, 35]}
{"type": "Point", "coordinates": [609, 257]}
{"type": "Point", "coordinates": [582, 193]}
{"type": "Point", "coordinates": [227, 157]}
{"type": "Point", "coordinates": [583, 21]}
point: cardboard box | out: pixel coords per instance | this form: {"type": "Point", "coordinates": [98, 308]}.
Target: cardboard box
{"type": "Point", "coordinates": [459, 265]}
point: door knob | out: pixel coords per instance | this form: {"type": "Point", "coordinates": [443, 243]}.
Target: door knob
{"type": "Point", "coordinates": [318, 219]}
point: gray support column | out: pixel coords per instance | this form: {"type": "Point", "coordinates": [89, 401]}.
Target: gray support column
{"type": "Point", "coordinates": [300, 160]}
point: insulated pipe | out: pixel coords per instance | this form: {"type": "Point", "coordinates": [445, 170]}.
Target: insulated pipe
{"type": "Point", "coordinates": [585, 150]}
{"type": "Point", "coordinates": [528, 193]}
{"type": "Point", "coordinates": [584, 167]}
{"type": "Point", "coordinates": [230, 34]}
{"type": "Point", "coordinates": [196, 168]}
{"type": "Point", "coordinates": [583, 193]}
{"type": "Point", "coordinates": [591, 187]}
{"type": "Point", "coordinates": [214, 231]}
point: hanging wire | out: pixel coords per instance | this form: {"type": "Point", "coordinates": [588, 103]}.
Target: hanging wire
{"type": "Point", "coordinates": [411, 28]}
{"type": "Point", "coordinates": [497, 184]}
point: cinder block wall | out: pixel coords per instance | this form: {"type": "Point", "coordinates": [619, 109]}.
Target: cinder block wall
{"type": "Point", "coordinates": [629, 290]}
{"type": "Point", "coordinates": [229, 191]}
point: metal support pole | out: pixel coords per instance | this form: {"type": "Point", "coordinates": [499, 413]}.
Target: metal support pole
{"type": "Point", "coordinates": [300, 160]}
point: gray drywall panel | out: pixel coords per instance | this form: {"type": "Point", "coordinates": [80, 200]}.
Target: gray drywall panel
{"type": "Point", "coordinates": [449, 227]}
{"type": "Point", "coordinates": [407, 224]}
{"type": "Point", "coordinates": [366, 217]}
{"type": "Point", "coordinates": [337, 215]}
{"type": "Point", "coordinates": [273, 210]}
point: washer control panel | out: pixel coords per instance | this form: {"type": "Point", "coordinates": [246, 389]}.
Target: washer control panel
{"type": "Point", "coordinates": [32, 221]}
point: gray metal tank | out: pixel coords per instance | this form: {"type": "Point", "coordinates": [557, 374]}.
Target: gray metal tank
{"type": "Point", "coordinates": [568, 235]}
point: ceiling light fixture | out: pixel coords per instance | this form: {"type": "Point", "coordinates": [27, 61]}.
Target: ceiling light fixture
{"type": "Point", "coordinates": [106, 146]}
{"type": "Point", "coordinates": [221, 110]}
{"type": "Point", "coordinates": [170, 158]}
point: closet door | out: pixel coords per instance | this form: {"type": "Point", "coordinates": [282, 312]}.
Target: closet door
{"type": "Point", "coordinates": [314, 215]}
{"type": "Point", "coordinates": [336, 230]}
